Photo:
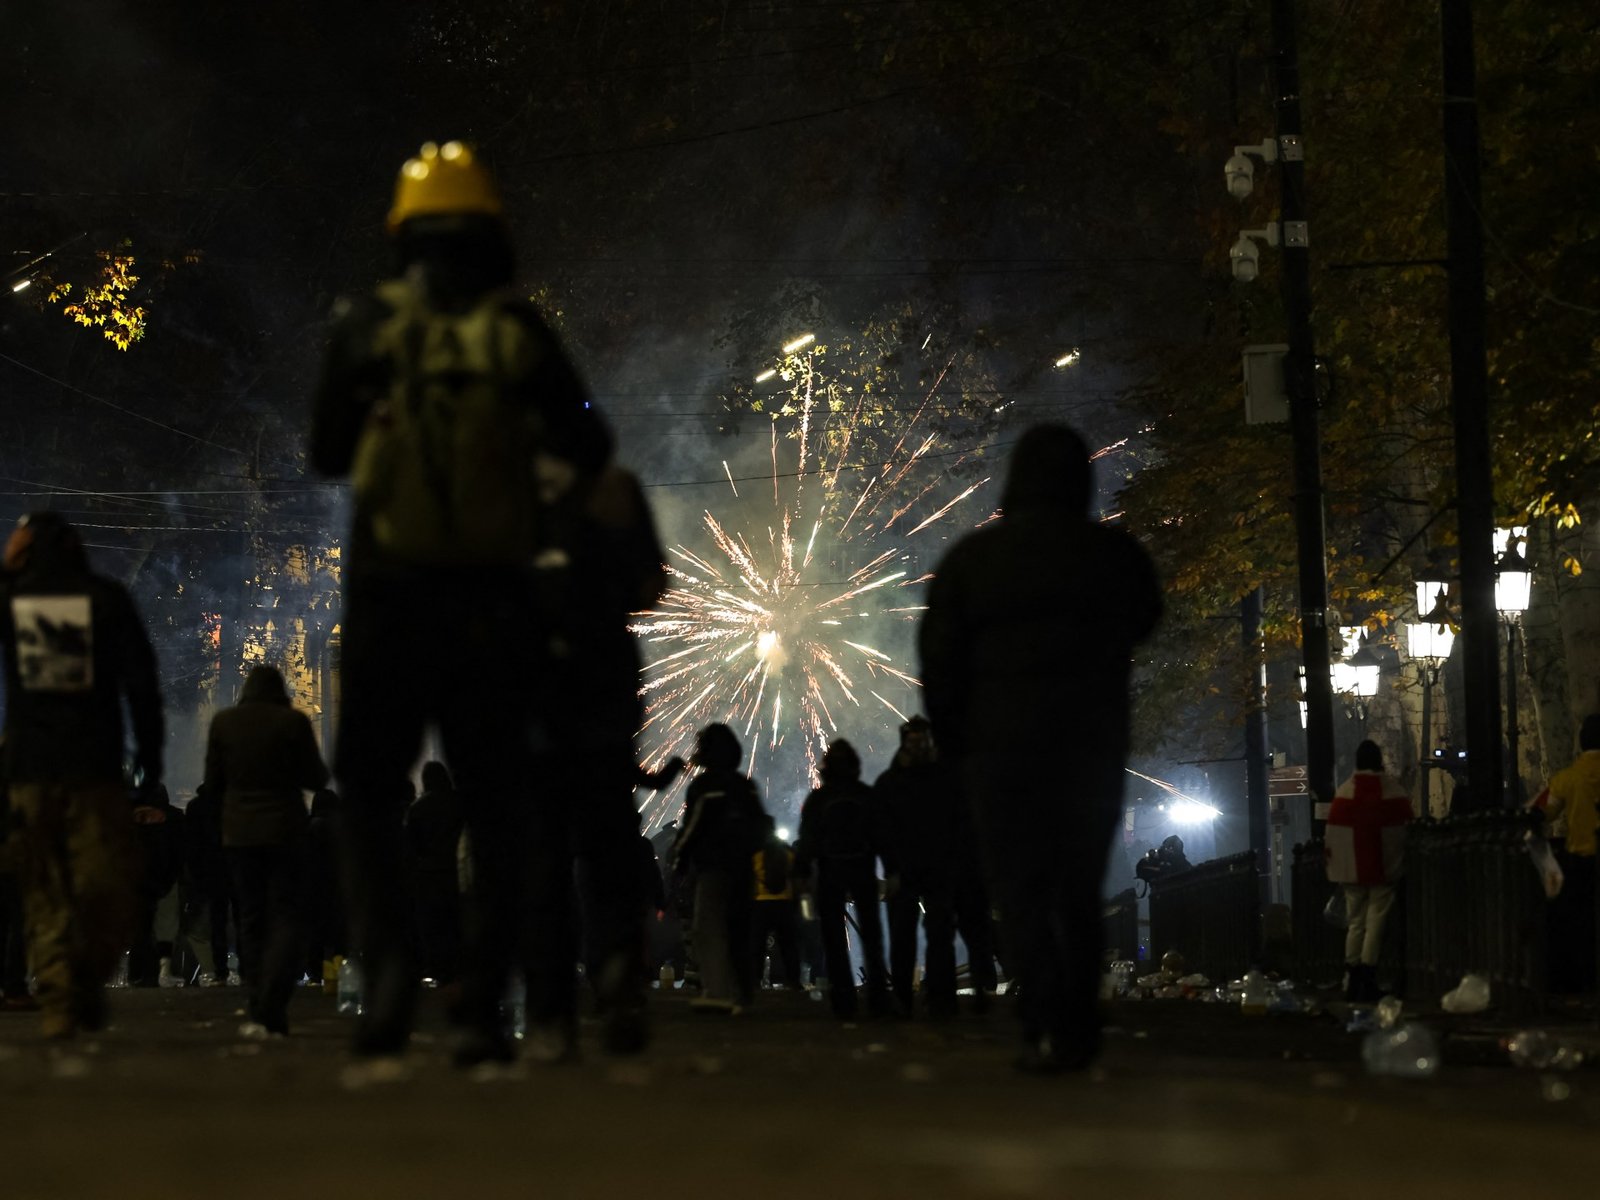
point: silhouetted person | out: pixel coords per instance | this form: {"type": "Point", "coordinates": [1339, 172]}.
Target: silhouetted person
{"type": "Point", "coordinates": [941, 882]}
{"type": "Point", "coordinates": [1365, 844]}
{"type": "Point", "coordinates": [1571, 808]}
{"type": "Point", "coordinates": [433, 829]}
{"type": "Point", "coordinates": [842, 839]}
{"type": "Point", "coordinates": [324, 886]}
{"type": "Point", "coordinates": [723, 825]}
{"type": "Point", "coordinates": [159, 831]}
{"type": "Point", "coordinates": [776, 911]}
{"type": "Point", "coordinates": [1026, 649]}
{"type": "Point", "coordinates": [261, 757]}
{"type": "Point", "coordinates": [603, 562]}
{"type": "Point", "coordinates": [75, 652]}
{"type": "Point", "coordinates": [209, 897]}
{"type": "Point", "coordinates": [467, 434]}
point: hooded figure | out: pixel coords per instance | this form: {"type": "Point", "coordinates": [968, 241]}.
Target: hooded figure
{"type": "Point", "coordinates": [941, 879]}
{"type": "Point", "coordinates": [261, 757]}
{"type": "Point", "coordinates": [1026, 649]}
{"type": "Point", "coordinates": [843, 836]}
{"type": "Point", "coordinates": [75, 652]}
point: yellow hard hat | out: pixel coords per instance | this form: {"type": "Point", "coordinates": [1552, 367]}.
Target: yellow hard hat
{"type": "Point", "coordinates": [442, 180]}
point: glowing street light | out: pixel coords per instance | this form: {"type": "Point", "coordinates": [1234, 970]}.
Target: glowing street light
{"type": "Point", "coordinates": [766, 375]}
{"type": "Point", "coordinates": [1070, 357]}
{"type": "Point", "coordinates": [800, 343]}
{"type": "Point", "coordinates": [22, 285]}
{"type": "Point", "coordinates": [1513, 587]}
{"type": "Point", "coordinates": [1429, 640]}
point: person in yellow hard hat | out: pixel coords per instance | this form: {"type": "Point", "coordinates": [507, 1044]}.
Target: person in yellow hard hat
{"type": "Point", "coordinates": [476, 462]}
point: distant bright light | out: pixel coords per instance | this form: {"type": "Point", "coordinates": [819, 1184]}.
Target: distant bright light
{"type": "Point", "coordinates": [805, 339]}
{"type": "Point", "coordinates": [766, 375]}
{"type": "Point", "coordinates": [1070, 357]}
{"type": "Point", "coordinates": [1192, 812]}
{"type": "Point", "coordinates": [22, 285]}
{"type": "Point", "coordinates": [783, 833]}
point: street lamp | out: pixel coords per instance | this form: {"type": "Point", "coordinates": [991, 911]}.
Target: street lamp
{"type": "Point", "coordinates": [1356, 678]}
{"type": "Point", "coordinates": [1513, 586]}
{"type": "Point", "coordinates": [1429, 640]}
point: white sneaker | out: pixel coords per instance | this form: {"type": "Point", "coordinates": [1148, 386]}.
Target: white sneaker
{"type": "Point", "coordinates": [209, 980]}
{"type": "Point", "coordinates": [234, 979]}
{"type": "Point", "coordinates": [167, 979]}
{"type": "Point", "coordinates": [254, 1031]}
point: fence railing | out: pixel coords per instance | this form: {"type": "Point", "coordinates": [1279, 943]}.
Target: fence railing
{"type": "Point", "coordinates": [1470, 901]}
{"type": "Point", "coordinates": [1211, 915]}
{"type": "Point", "coordinates": [1119, 925]}
{"type": "Point", "coordinates": [1476, 905]}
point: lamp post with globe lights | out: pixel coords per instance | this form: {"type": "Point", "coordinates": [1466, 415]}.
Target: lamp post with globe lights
{"type": "Point", "coordinates": [1429, 640]}
{"type": "Point", "coordinates": [1513, 587]}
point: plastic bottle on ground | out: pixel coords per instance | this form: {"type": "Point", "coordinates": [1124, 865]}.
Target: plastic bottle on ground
{"type": "Point", "coordinates": [350, 999]}
{"type": "Point", "coordinates": [515, 1006]}
{"type": "Point", "coordinates": [1407, 1052]}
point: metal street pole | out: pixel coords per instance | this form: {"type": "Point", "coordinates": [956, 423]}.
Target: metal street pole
{"type": "Point", "coordinates": [1299, 377]}
{"type": "Point", "coordinates": [1514, 794]}
{"type": "Point", "coordinates": [1429, 673]}
{"type": "Point", "coordinates": [1469, 401]}
{"type": "Point", "coordinates": [1255, 734]}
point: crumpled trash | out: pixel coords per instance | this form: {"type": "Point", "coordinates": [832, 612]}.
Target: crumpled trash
{"type": "Point", "coordinates": [1194, 981]}
{"type": "Point", "coordinates": [1544, 862]}
{"type": "Point", "coordinates": [1173, 963]}
{"type": "Point", "coordinates": [1388, 1012]}
{"type": "Point", "coordinates": [1471, 995]}
{"type": "Point", "coordinates": [1407, 1052]}
{"type": "Point", "coordinates": [1285, 1001]}
{"type": "Point", "coordinates": [1540, 1050]}
{"type": "Point", "coordinates": [1122, 975]}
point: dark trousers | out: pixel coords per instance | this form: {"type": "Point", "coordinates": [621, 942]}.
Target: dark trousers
{"type": "Point", "coordinates": [778, 920]}
{"type": "Point", "coordinates": [612, 892]}
{"type": "Point", "coordinates": [839, 880]}
{"type": "Point", "coordinates": [13, 941]}
{"type": "Point", "coordinates": [269, 885]}
{"type": "Point", "coordinates": [943, 902]}
{"type": "Point", "coordinates": [470, 672]}
{"type": "Point", "coordinates": [1571, 926]}
{"type": "Point", "coordinates": [1046, 856]}
{"type": "Point", "coordinates": [437, 896]}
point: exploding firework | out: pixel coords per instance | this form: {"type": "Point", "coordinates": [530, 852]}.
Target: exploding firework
{"type": "Point", "coordinates": [775, 626]}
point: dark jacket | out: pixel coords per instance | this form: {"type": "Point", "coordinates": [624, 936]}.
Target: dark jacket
{"type": "Point", "coordinates": [926, 816]}
{"type": "Point", "coordinates": [723, 823]}
{"type": "Point", "coordinates": [843, 820]}
{"type": "Point", "coordinates": [75, 649]}
{"type": "Point", "coordinates": [433, 829]}
{"type": "Point", "coordinates": [261, 756]}
{"type": "Point", "coordinates": [1032, 620]}
{"type": "Point", "coordinates": [202, 841]}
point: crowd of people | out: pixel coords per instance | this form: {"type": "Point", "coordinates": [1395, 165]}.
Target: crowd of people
{"type": "Point", "coordinates": [495, 553]}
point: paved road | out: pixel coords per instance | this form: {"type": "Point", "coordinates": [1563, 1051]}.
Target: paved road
{"type": "Point", "coordinates": [1192, 1100]}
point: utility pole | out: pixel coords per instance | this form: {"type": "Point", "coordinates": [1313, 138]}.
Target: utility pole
{"type": "Point", "coordinates": [1255, 734]}
{"type": "Point", "coordinates": [1469, 401]}
{"type": "Point", "coordinates": [1300, 381]}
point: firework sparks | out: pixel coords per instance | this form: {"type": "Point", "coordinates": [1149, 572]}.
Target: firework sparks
{"type": "Point", "coordinates": [768, 641]}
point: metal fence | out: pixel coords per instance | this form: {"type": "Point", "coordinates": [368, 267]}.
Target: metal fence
{"type": "Point", "coordinates": [1476, 905]}
{"type": "Point", "coordinates": [1119, 925]}
{"type": "Point", "coordinates": [1211, 915]}
{"type": "Point", "coordinates": [1470, 902]}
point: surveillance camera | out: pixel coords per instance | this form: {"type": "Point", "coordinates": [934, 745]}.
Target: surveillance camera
{"type": "Point", "coordinates": [1240, 173]}
{"type": "Point", "coordinates": [1246, 260]}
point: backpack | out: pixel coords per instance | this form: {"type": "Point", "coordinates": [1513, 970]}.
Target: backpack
{"type": "Point", "coordinates": [774, 860]}
{"type": "Point", "coordinates": [444, 473]}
